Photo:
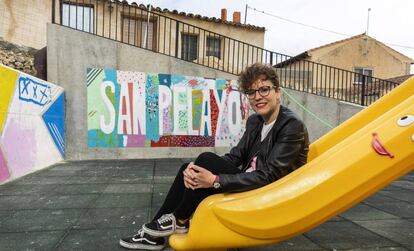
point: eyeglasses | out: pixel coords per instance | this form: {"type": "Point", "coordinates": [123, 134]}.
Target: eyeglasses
{"type": "Point", "coordinates": [263, 91]}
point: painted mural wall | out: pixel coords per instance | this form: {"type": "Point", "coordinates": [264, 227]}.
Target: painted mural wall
{"type": "Point", "coordinates": [32, 134]}
{"type": "Point", "coordinates": [138, 109]}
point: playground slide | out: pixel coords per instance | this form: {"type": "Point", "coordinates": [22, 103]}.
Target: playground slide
{"type": "Point", "coordinates": [347, 165]}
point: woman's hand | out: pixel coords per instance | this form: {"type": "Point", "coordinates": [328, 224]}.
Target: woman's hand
{"type": "Point", "coordinates": [189, 176]}
{"type": "Point", "coordinates": [203, 178]}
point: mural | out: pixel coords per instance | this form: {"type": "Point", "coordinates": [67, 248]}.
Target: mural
{"type": "Point", "coordinates": [137, 109]}
{"type": "Point", "coordinates": [32, 133]}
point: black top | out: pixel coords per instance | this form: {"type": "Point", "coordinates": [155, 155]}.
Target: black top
{"type": "Point", "coordinates": [284, 149]}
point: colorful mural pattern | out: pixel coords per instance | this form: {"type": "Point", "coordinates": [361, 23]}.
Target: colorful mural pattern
{"type": "Point", "coordinates": [31, 124]}
{"type": "Point", "coordinates": [138, 109]}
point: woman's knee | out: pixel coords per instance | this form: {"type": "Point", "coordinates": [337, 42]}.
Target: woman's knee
{"type": "Point", "coordinates": [205, 158]}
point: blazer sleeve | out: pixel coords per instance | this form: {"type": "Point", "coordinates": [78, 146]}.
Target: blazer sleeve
{"type": "Point", "coordinates": [280, 161]}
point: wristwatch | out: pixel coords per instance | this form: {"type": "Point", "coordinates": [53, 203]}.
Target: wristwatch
{"type": "Point", "coordinates": [216, 183]}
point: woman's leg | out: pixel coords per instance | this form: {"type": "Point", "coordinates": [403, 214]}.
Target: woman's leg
{"type": "Point", "coordinates": [191, 198]}
{"type": "Point", "coordinates": [175, 194]}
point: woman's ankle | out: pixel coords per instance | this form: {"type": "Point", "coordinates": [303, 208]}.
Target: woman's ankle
{"type": "Point", "coordinates": [182, 221]}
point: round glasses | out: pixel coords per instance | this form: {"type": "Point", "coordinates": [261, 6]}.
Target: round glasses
{"type": "Point", "coordinates": [263, 91]}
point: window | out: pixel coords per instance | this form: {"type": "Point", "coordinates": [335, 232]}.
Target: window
{"type": "Point", "coordinates": [189, 47]}
{"type": "Point", "coordinates": [79, 17]}
{"type": "Point", "coordinates": [134, 31]}
{"type": "Point", "coordinates": [360, 72]}
{"type": "Point", "coordinates": [213, 47]}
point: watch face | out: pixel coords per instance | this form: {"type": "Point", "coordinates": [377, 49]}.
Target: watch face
{"type": "Point", "coordinates": [216, 185]}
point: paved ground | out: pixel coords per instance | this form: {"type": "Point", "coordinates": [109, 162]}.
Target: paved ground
{"type": "Point", "coordinates": [89, 205]}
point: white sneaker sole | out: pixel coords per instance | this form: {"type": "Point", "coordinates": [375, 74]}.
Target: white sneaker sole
{"type": "Point", "coordinates": [157, 233]}
{"type": "Point", "coordinates": [140, 246]}
{"type": "Point", "coordinates": [181, 231]}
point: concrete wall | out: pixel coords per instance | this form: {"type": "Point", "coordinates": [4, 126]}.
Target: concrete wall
{"type": "Point", "coordinates": [333, 112]}
{"type": "Point", "coordinates": [71, 52]}
{"type": "Point", "coordinates": [31, 124]}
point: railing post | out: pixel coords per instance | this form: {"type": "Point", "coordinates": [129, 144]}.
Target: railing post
{"type": "Point", "coordinates": [363, 90]}
{"type": "Point", "coordinates": [177, 33]}
{"type": "Point", "coordinates": [53, 11]}
{"type": "Point", "coordinates": [271, 58]}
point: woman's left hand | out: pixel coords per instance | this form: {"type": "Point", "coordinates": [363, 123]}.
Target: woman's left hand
{"type": "Point", "coordinates": [203, 177]}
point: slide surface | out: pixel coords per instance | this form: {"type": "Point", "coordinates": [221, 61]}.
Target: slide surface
{"type": "Point", "coordinates": [351, 162]}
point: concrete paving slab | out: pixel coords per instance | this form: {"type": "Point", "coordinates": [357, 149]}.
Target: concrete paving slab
{"type": "Point", "coordinates": [337, 218]}
{"type": "Point", "coordinates": [408, 176]}
{"type": "Point", "coordinates": [167, 170]}
{"type": "Point", "coordinates": [128, 188]}
{"type": "Point", "coordinates": [67, 166]}
{"type": "Point", "coordinates": [161, 188]}
{"type": "Point", "coordinates": [164, 179]}
{"type": "Point", "coordinates": [41, 220]}
{"type": "Point", "coordinates": [398, 230]}
{"type": "Point", "coordinates": [88, 180]}
{"type": "Point", "coordinates": [57, 173]}
{"type": "Point", "coordinates": [378, 199]}
{"type": "Point", "coordinates": [17, 202]}
{"type": "Point", "coordinates": [5, 214]}
{"type": "Point", "coordinates": [406, 184]}
{"type": "Point", "coordinates": [379, 249]}
{"type": "Point", "coordinates": [96, 172]}
{"type": "Point", "coordinates": [365, 212]}
{"type": "Point", "coordinates": [131, 180]}
{"type": "Point", "coordinates": [94, 239]}
{"type": "Point", "coordinates": [346, 235]}
{"type": "Point", "coordinates": [17, 189]}
{"type": "Point", "coordinates": [79, 189]}
{"type": "Point", "coordinates": [398, 208]}
{"type": "Point", "coordinates": [299, 243]}
{"type": "Point", "coordinates": [132, 173]}
{"type": "Point", "coordinates": [45, 240]}
{"type": "Point", "coordinates": [64, 201]}
{"type": "Point", "coordinates": [98, 218]}
{"type": "Point", "coordinates": [391, 188]}
{"type": "Point", "coordinates": [122, 200]}
{"type": "Point", "coordinates": [402, 194]}
{"type": "Point", "coordinates": [41, 180]}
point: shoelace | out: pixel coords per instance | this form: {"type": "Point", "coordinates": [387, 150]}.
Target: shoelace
{"type": "Point", "coordinates": [165, 218]}
{"type": "Point", "coordinates": [140, 233]}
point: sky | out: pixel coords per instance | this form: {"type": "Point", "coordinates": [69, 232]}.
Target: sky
{"type": "Point", "coordinates": [390, 21]}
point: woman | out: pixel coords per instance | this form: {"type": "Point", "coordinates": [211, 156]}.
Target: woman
{"type": "Point", "coordinates": [274, 144]}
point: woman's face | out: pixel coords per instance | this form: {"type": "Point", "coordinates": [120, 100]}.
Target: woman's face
{"type": "Point", "coordinates": [264, 99]}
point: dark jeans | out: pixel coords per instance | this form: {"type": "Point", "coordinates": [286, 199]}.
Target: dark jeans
{"type": "Point", "coordinates": [182, 201]}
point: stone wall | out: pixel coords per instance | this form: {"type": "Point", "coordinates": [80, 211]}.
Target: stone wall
{"type": "Point", "coordinates": [17, 57]}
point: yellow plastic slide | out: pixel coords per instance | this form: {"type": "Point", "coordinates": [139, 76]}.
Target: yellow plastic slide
{"type": "Point", "coordinates": [348, 164]}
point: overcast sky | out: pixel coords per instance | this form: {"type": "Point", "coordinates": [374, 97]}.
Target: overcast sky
{"type": "Point", "coordinates": [390, 21]}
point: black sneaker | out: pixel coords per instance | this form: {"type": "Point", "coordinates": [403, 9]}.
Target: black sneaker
{"type": "Point", "coordinates": [182, 228]}
{"type": "Point", "coordinates": [162, 227]}
{"type": "Point", "coordinates": [144, 241]}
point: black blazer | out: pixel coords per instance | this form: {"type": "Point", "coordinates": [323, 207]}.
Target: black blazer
{"type": "Point", "coordinates": [283, 150]}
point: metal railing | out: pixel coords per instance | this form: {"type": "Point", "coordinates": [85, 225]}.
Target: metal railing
{"type": "Point", "coordinates": [149, 29]}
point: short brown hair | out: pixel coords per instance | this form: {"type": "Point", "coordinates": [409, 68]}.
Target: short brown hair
{"type": "Point", "coordinates": [254, 72]}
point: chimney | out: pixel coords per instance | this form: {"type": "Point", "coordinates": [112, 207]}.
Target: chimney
{"type": "Point", "coordinates": [236, 17]}
{"type": "Point", "coordinates": [224, 14]}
